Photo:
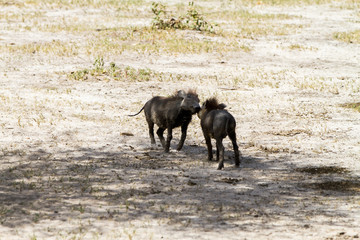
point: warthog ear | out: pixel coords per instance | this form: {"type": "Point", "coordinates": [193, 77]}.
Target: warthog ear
{"type": "Point", "coordinates": [221, 106]}
{"type": "Point", "coordinates": [182, 94]}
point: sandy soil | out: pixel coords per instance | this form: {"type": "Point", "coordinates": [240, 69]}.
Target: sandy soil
{"type": "Point", "coordinates": [74, 166]}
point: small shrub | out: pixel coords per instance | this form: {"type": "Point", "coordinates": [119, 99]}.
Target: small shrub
{"type": "Point", "coordinates": [193, 20]}
{"type": "Point", "coordinates": [196, 22]}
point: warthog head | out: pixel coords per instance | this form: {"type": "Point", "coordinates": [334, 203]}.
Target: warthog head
{"type": "Point", "coordinates": [190, 101]}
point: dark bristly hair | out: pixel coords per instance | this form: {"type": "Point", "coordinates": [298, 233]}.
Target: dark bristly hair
{"type": "Point", "coordinates": [192, 92]}
{"type": "Point", "coordinates": [212, 104]}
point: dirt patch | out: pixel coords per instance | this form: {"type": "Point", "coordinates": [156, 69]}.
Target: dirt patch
{"type": "Point", "coordinates": [323, 170]}
{"type": "Point", "coordinates": [350, 186]}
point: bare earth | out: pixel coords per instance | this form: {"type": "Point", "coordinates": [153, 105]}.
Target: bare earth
{"type": "Point", "coordinates": [74, 166]}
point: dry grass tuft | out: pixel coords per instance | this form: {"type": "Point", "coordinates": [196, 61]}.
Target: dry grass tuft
{"type": "Point", "coordinates": [348, 37]}
{"type": "Point", "coordinates": [355, 106]}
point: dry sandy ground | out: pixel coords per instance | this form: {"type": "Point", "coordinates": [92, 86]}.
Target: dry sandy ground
{"type": "Point", "coordinates": [74, 166]}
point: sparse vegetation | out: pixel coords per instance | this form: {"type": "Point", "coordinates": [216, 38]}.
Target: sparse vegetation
{"type": "Point", "coordinates": [55, 47]}
{"type": "Point", "coordinates": [150, 40]}
{"type": "Point", "coordinates": [111, 72]}
{"type": "Point", "coordinates": [348, 37]}
{"type": "Point", "coordinates": [193, 20]}
{"type": "Point", "coordinates": [296, 2]}
{"type": "Point", "coordinates": [300, 47]}
{"type": "Point", "coordinates": [355, 106]}
{"type": "Point", "coordinates": [75, 3]}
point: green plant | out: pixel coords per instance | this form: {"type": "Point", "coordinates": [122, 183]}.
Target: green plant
{"type": "Point", "coordinates": [158, 10]}
{"type": "Point", "coordinates": [99, 64]}
{"type": "Point", "coordinates": [80, 75]}
{"type": "Point", "coordinates": [193, 20]}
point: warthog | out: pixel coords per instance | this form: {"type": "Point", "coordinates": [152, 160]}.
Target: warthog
{"type": "Point", "coordinates": [217, 123]}
{"type": "Point", "coordinates": [170, 112]}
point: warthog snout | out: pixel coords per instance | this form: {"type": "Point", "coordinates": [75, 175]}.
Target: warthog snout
{"type": "Point", "coordinates": [190, 102]}
{"type": "Point", "coordinates": [197, 109]}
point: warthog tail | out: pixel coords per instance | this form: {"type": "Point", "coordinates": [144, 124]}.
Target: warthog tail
{"type": "Point", "coordinates": [138, 112]}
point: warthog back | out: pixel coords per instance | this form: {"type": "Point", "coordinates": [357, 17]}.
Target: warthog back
{"type": "Point", "coordinates": [217, 123]}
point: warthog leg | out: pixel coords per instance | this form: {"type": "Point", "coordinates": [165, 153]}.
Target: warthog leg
{"type": "Point", "coordinates": [160, 133]}
{"type": "Point", "coordinates": [209, 146]}
{"type": "Point", "coordinates": [220, 152]}
{"type": "Point", "coordinates": [232, 137]}
{"type": "Point", "coordinates": [168, 139]}
{"type": "Point", "coordinates": [183, 137]}
{"type": "Point", "coordinates": [151, 132]}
